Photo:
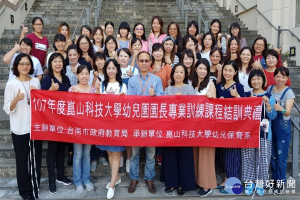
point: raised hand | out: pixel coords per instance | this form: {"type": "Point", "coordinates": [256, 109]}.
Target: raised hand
{"type": "Point", "coordinates": [151, 91]}
{"type": "Point", "coordinates": [19, 96]}
{"type": "Point", "coordinates": [234, 92]}
{"type": "Point", "coordinates": [24, 29]}
{"type": "Point", "coordinates": [54, 86]}
{"type": "Point", "coordinates": [278, 107]}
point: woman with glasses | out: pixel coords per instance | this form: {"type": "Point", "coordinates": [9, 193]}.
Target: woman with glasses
{"type": "Point", "coordinates": [86, 51]}
{"type": "Point", "coordinates": [40, 42]}
{"type": "Point", "coordinates": [139, 32]}
{"type": "Point", "coordinates": [28, 153]}
{"type": "Point", "coordinates": [260, 48]}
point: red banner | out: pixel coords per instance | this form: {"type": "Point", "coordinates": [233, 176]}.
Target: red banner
{"type": "Point", "coordinates": [145, 121]}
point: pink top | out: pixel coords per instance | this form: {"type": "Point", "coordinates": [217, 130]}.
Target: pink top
{"type": "Point", "coordinates": [92, 90]}
{"type": "Point", "coordinates": [152, 40]}
{"type": "Point", "coordinates": [145, 46]}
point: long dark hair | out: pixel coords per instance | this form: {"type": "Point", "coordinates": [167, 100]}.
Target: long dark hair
{"type": "Point", "coordinates": [239, 61]}
{"type": "Point", "coordinates": [50, 69]}
{"type": "Point", "coordinates": [186, 38]}
{"type": "Point", "coordinates": [106, 41]}
{"type": "Point", "coordinates": [193, 23]}
{"type": "Point", "coordinates": [212, 39]}
{"type": "Point", "coordinates": [172, 53]}
{"type": "Point", "coordinates": [235, 25]}
{"type": "Point", "coordinates": [143, 36]}
{"type": "Point", "coordinates": [185, 80]}
{"type": "Point", "coordinates": [178, 29]}
{"type": "Point", "coordinates": [220, 27]}
{"type": "Point", "coordinates": [95, 31]}
{"type": "Point", "coordinates": [98, 55]}
{"type": "Point", "coordinates": [118, 75]}
{"type": "Point", "coordinates": [90, 50]}
{"type": "Point", "coordinates": [195, 80]}
{"type": "Point", "coordinates": [236, 69]}
{"type": "Point", "coordinates": [189, 53]}
{"type": "Point", "coordinates": [228, 52]}
{"type": "Point", "coordinates": [35, 19]}
{"type": "Point", "coordinates": [265, 45]}
{"type": "Point", "coordinates": [160, 21]}
{"type": "Point", "coordinates": [156, 47]}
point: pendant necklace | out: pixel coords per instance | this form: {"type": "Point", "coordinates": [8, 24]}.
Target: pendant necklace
{"type": "Point", "coordinates": [27, 93]}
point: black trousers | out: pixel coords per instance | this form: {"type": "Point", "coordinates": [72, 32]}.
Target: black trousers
{"type": "Point", "coordinates": [55, 159]}
{"type": "Point", "coordinates": [178, 168]}
{"type": "Point", "coordinates": [28, 154]}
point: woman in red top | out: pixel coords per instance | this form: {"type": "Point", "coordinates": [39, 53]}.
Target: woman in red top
{"type": "Point", "coordinates": [260, 47]}
{"type": "Point", "coordinates": [40, 42]}
{"type": "Point", "coordinates": [271, 58]}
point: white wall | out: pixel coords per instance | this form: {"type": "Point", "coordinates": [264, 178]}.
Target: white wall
{"type": "Point", "coordinates": [279, 12]}
{"type": "Point", "coordinates": [19, 16]}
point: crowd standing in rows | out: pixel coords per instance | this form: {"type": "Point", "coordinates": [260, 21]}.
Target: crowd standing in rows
{"type": "Point", "coordinates": [212, 64]}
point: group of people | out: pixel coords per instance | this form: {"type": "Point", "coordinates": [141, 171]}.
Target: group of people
{"type": "Point", "coordinates": [212, 64]}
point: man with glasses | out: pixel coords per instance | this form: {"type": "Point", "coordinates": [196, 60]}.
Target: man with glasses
{"type": "Point", "coordinates": [145, 84]}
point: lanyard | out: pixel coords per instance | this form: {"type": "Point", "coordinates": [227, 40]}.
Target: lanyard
{"type": "Point", "coordinates": [143, 89]}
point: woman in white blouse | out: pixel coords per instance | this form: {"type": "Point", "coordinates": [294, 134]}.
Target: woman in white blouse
{"type": "Point", "coordinates": [17, 106]}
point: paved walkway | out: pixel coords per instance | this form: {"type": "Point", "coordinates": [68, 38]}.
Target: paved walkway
{"type": "Point", "coordinates": [9, 191]}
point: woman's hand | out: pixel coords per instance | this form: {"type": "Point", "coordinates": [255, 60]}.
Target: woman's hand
{"type": "Point", "coordinates": [234, 92]}
{"type": "Point", "coordinates": [19, 96]}
{"type": "Point", "coordinates": [54, 86]}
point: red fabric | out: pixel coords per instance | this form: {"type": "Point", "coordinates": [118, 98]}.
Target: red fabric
{"type": "Point", "coordinates": [39, 47]}
{"type": "Point", "coordinates": [145, 121]}
{"type": "Point", "coordinates": [271, 80]}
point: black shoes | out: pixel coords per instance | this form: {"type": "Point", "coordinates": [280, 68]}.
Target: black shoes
{"type": "Point", "coordinates": [64, 180]}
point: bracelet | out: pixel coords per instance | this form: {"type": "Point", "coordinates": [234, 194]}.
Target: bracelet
{"type": "Point", "coordinates": [283, 111]}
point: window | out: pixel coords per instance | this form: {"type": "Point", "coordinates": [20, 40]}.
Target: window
{"type": "Point", "coordinates": [297, 12]}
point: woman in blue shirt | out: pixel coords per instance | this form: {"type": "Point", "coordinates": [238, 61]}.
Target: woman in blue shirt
{"type": "Point", "coordinates": [229, 87]}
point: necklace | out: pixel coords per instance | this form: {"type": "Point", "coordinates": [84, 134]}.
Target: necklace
{"type": "Point", "coordinates": [144, 88]}
{"type": "Point", "coordinates": [27, 93]}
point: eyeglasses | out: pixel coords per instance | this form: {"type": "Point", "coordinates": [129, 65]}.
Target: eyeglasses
{"type": "Point", "coordinates": [260, 45]}
{"type": "Point", "coordinates": [110, 43]}
{"type": "Point", "coordinates": [24, 64]}
{"type": "Point", "coordinates": [144, 61]}
{"type": "Point", "coordinates": [173, 29]}
{"type": "Point", "coordinates": [138, 29]}
{"type": "Point", "coordinates": [38, 24]}
{"type": "Point", "coordinates": [83, 44]}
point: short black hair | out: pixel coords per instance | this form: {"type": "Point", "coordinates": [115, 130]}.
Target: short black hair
{"type": "Point", "coordinates": [124, 25]}
{"type": "Point", "coordinates": [87, 27]}
{"type": "Point", "coordinates": [258, 73]}
{"type": "Point", "coordinates": [282, 70]}
{"type": "Point", "coordinates": [17, 61]}
{"type": "Point", "coordinates": [58, 37]}
{"type": "Point", "coordinates": [27, 41]}
{"type": "Point", "coordinates": [271, 52]}
{"type": "Point", "coordinates": [126, 50]}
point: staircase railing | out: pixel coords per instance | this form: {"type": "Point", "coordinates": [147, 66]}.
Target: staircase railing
{"type": "Point", "coordinates": [279, 30]}
{"type": "Point", "coordinates": [185, 6]}
{"type": "Point", "coordinates": [295, 153]}
{"type": "Point", "coordinates": [88, 12]}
